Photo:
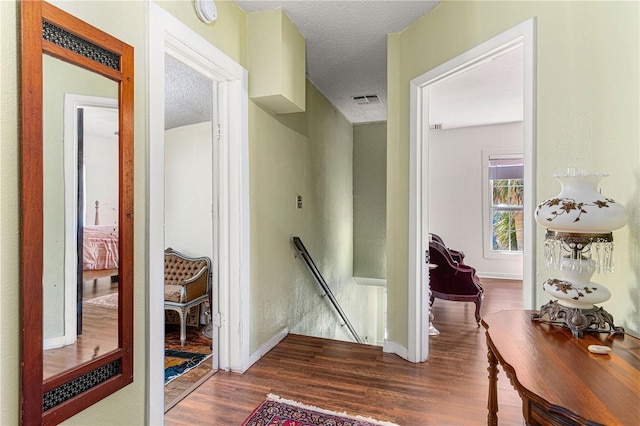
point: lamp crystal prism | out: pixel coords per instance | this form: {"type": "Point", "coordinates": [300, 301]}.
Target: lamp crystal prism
{"type": "Point", "coordinates": [578, 243]}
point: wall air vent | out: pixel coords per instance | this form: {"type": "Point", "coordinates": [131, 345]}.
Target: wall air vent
{"type": "Point", "coordinates": [366, 99]}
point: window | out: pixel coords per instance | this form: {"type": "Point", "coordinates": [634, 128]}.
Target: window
{"type": "Point", "coordinates": [506, 212]}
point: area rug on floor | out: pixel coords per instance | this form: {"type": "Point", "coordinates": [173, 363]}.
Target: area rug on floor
{"type": "Point", "coordinates": [275, 411]}
{"type": "Point", "coordinates": [177, 363]}
{"type": "Point", "coordinates": [106, 301]}
{"type": "Point", "coordinates": [195, 340]}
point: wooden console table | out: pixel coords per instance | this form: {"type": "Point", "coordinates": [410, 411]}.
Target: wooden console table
{"type": "Point", "coordinates": [559, 381]}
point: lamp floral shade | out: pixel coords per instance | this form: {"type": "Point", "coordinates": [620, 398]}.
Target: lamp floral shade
{"type": "Point", "coordinates": [570, 207]}
{"type": "Point", "coordinates": [579, 207]}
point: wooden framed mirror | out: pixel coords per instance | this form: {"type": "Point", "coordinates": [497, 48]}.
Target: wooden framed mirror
{"type": "Point", "coordinates": [73, 72]}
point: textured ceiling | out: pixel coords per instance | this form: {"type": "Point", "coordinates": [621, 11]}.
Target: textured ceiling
{"type": "Point", "coordinates": [346, 57]}
{"type": "Point", "coordinates": [188, 95]}
{"type": "Point", "coordinates": [347, 46]}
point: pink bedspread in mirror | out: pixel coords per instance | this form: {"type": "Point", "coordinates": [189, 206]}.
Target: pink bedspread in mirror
{"type": "Point", "coordinates": [100, 247]}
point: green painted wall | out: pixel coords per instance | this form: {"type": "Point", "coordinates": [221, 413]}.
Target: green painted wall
{"type": "Point", "coordinates": [277, 59]}
{"type": "Point", "coordinates": [9, 218]}
{"type": "Point", "coordinates": [278, 173]}
{"type": "Point", "coordinates": [228, 33]}
{"type": "Point", "coordinates": [329, 238]}
{"type": "Point", "coordinates": [370, 200]}
{"type": "Point", "coordinates": [587, 116]}
{"type": "Point", "coordinates": [307, 154]}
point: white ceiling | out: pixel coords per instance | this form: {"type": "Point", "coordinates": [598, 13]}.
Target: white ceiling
{"type": "Point", "coordinates": [347, 56]}
{"type": "Point", "coordinates": [488, 92]}
{"type": "Point", "coordinates": [347, 46]}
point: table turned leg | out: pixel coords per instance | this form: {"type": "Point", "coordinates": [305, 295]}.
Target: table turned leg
{"type": "Point", "coordinates": [492, 404]}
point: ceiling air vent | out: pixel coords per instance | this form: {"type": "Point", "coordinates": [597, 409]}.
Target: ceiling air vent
{"type": "Point", "coordinates": [366, 99]}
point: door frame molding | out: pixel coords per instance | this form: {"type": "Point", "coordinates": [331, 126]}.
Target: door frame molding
{"type": "Point", "coordinates": [72, 102]}
{"type": "Point", "coordinates": [418, 274]}
{"type": "Point", "coordinates": [231, 205]}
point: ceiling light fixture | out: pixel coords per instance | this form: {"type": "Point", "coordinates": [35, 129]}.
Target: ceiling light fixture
{"type": "Point", "coordinates": [206, 10]}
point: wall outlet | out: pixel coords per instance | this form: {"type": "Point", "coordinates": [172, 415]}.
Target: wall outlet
{"type": "Point", "coordinates": [299, 201]}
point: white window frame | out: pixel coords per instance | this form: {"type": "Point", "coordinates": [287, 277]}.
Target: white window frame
{"type": "Point", "coordinates": [487, 154]}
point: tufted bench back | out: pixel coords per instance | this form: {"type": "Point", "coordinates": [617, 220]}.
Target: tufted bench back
{"type": "Point", "coordinates": [185, 278]}
{"type": "Point", "coordinates": [187, 281]}
{"type": "Point", "coordinates": [178, 270]}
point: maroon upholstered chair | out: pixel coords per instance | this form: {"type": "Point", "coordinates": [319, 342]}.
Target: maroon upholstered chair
{"type": "Point", "coordinates": [458, 256]}
{"type": "Point", "coordinates": [452, 280]}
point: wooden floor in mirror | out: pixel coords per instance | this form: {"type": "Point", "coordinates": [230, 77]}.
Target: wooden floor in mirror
{"type": "Point", "coordinates": [449, 389]}
{"type": "Point", "coordinates": [100, 328]}
{"type": "Point", "coordinates": [100, 322]}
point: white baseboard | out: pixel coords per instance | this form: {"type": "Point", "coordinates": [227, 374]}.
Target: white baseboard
{"type": "Point", "coordinates": [499, 275]}
{"type": "Point", "coordinates": [377, 282]}
{"type": "Point", "coordinates": [59, 342]}
{"type": "Point", "coordinates": [271, 343]}
{"type": "Point", "coordinates": [53, 342]}
{"type": "Point", "coordinates": [395, 348]}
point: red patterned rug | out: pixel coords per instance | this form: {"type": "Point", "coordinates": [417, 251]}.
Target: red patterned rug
{"type": "Point", "coordinates": [275, 411]}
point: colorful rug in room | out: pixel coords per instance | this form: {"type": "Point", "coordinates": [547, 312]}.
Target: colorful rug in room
{"type": "Point", "coordinates": [195, 341]}
{"type": "Point", "coordinates": [275, 411]}
{"type": "Point", "coordinates": [177, 363]}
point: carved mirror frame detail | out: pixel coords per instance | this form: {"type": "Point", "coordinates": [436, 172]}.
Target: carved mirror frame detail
{"type": "Point", "coordinates": [46, 29]}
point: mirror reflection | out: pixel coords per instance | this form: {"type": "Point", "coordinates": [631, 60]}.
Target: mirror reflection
{"type": "Point", "coordinates": [80, 275]}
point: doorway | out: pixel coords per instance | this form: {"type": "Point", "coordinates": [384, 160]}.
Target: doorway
{"type": "Point", "coordinates": [90, 197]}
{"type": "Point", "coordinates": [522, 34]}
{"type": "Point", "coordinates": [191, 118]}
{"type": "Point", "coordinates": [229, 204]}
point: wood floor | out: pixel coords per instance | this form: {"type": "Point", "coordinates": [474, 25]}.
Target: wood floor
{"type": "Point", "coordinates": [100, 335]}
{"type": "Point", "coordinates": [449, 389]}
{"type": "Point", "coordinates": [100, 332]}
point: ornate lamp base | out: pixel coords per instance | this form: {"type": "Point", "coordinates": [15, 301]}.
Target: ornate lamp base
{"type": "Point", "coordinates": [577, 320]}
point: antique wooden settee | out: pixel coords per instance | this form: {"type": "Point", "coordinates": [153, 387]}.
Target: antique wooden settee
{"type": "Point", "coordinates": [187, 284]}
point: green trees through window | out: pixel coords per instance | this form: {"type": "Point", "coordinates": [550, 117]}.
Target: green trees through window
{"type": "Point", "coordinates": [507, 215]}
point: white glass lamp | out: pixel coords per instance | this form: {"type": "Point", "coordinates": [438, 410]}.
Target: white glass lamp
{"type": "Point", "coordinates": [579, 242]}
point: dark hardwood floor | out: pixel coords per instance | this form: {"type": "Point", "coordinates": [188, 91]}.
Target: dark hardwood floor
{"type": "Point", "coordinates": [449, 389]}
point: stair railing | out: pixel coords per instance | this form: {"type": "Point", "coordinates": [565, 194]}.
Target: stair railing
{"type": "Point", "coordinates": [302, 251]}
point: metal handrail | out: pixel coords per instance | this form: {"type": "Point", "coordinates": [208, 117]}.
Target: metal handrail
{"type": "Point", "coordinates": [302, 251]}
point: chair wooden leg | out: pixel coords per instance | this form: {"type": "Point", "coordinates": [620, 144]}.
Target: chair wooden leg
{"type": "Point", "coordinates": [183, 326]}
{"type": "Point", "coordinates": [478, 303]}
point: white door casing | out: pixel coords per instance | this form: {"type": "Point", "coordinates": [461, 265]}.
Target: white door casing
{"type": "Point", "coordinates": [167, 35]}
{"type": "Point", "coordinates": [72, 102]}
{"type": "Point", "coordinates": [418, 276]}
